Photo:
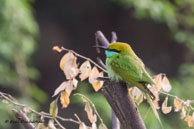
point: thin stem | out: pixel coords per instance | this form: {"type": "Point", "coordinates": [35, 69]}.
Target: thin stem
{"type": "Point", "coordinates": [59, 124]}
{"type": "Point", "coordinates": [44, 114]}
{"type": "Point", "coordinates": [84, 58]}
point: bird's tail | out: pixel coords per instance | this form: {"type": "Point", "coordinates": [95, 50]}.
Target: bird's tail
{"type": "Point", "coordinates": [149, 99]}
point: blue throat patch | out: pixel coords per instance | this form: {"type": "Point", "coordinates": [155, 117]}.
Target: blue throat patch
{"type": "Point", "coordinates": [110, 53]}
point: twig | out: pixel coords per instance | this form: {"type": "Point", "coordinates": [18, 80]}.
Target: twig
{"type": "Point", "coordinates": [85, 58]}
{"type": "Point", "coordinates": [114, 37]}
{"type": "Point", "coordinates": [101, 62]}
{"type": "Point", "coordinates": [44, 114]}
{"type": "Point", "coordinates": [101, 38]}
{"type": "Point", "coordinates": [182, 101]}
{"type": "Point", "coordinates": [59, 124]}
{"type": "Point", "coordinates": [24, 120]}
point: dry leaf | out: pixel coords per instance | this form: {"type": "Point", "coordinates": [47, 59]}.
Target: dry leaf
{"type": "Point", "coordinates": [69, 87]}
{"type": "Point", "coordinates": [165, 108]}
{"type": "Point", "coordinates": [75, 82]}
{"type": "Point", "coordinates": [69, 66]}
{"type": "Point", "coordinates": [94, 74]}
{"type": "Point", "coordinates": [183, 113]}
{"type": "Point", "coordinates": [84, 100]}
{"type": "Point", "coordinates": [154, 90]}
{"type": "Point", "coordinates": [166, 84]}
{"type": "Point", "coordinates": [158, 81]}
{"type": "Point", "coordinates": [89, 111]}
{"type": "Point", "coordinates": [94, 126]}
{"type": "Point", "coordinates": [102, 126]}
{"type": "Point", "coordinates": [177, 105]}
{"type": "Point", "coordinates": [64, 99]}
{"type": "Point", "coordinates": [41, 126]}
{"type": "Point", "coordinates": [85, 70]}
{"type": "Point", "coordinates": [189, 120]}
{"type": "Point", "coordinates": [137, 95]}
{"type": "Point", "coordinates": [82, 126]}
{"type": "Point", "coordinates": [53, 108]}
{"type": "Point", "coordinates": [51, 124]}
{"type": "Point", "coordinates": [56, 48]}
{"type": "Point", "coordinates": [61, 88]}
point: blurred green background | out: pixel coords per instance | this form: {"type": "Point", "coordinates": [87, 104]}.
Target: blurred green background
{"type": "Point", "coordinates": [161, 32]}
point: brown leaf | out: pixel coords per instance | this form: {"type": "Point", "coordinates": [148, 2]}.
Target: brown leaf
{"type": "Point", "coordinates": [85, 70]}
{"type": "Point", "coordinates": [158, 81]}
{"type": "Point", "coordinates": [69, 87]}
{"type": "Point", "coordinates": [166, 84]}
{"type": "Point", "coordinates": [56, 48]}
{"type": "Point", "coordinates": [60, 88]}
{"type": "Point", "coordinates": [92, 79]}
{"type": "Point", "coordinates": [189, 120]}
{"type": "Point", "coordinates": [177, 105]}
{"type": "Point", "coordinates": [165, 108]}
{"type": "Point", "coordinates": [183, 113]}
{"type": "Point", "coordinates": [51, 124]}
{"type": "Point", "coordinates": [137, 95]}
{"type": "Point", "coordinates": [82, 126]}
{"type": "Point", "coordinates": [84, 100]}
{"type": "Point", "coordinates": [69, 66]}
{"type": "Point", "coordinates": [53, 108]}
{"type": "Point", "coordinates": [90, 114]}
{"type": "Point", "coordinates": [154, 90]}
{"type": "Point", "coordinates": [64, 99]}
{"type": "Point", "coordinates": [102, 126]}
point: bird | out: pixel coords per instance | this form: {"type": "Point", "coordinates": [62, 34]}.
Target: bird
{"type": "Point", "coordinates": [124, 65]}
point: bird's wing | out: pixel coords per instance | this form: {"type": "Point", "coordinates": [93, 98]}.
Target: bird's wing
{"type": "Point", "coordinates": [131, 68]}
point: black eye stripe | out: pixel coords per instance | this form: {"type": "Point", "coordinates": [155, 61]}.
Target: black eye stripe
{"type": "Point", "coordinates": [114, 50]}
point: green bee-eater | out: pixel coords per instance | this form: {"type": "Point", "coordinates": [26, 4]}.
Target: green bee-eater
{"type": "Point", "coordinates": [123, 65]}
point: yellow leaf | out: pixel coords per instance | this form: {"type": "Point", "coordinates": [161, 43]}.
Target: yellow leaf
{"type": "Point", "coordinates": [53, 108]}
{"type": "Point", "coordinates": [166, 84]}
{"type": "Point", "coordinates": [56, 48]}
{"type": "Point", "coordinates": [64, 99]}
{"type": "Point", "coordinates": [69, 66]}
{"type": "Point", "coordinates": [85, 70]}
{"type": "Point", "coordinates": [94, 74]}
{"type": "Point", "coordinates": [165, 108]}
{"type": "Point", "coordinates": [89, 112]}
{"type": "Point", "coordinates": [177, 105]}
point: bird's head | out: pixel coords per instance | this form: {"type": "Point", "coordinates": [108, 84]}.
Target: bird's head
{"type": "Point", "coordinates": [118, 48]}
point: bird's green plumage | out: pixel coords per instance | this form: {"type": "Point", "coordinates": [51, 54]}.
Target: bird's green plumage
{"type": "Point", "coordinates": [124, 65]}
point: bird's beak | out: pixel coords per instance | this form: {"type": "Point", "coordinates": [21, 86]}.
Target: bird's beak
{"type": "Point", "coordinates": [102, 47]}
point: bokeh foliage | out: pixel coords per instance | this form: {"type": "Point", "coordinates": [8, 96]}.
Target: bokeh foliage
{"type": "Point", "coordinates": [18, 34]}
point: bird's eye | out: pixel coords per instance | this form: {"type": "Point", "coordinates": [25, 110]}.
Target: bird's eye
{"type": "Point", "coordinates": [114, 50]}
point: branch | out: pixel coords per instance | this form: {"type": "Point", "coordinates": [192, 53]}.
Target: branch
{"type": "Point", "coordinates": [123, 105]}
{"type": "Point", "coordinates": [24, 119]}
{"type": "Point", "coordinates": [100, 36]}
{"type": "Point", "coordinates": [119, 99]}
